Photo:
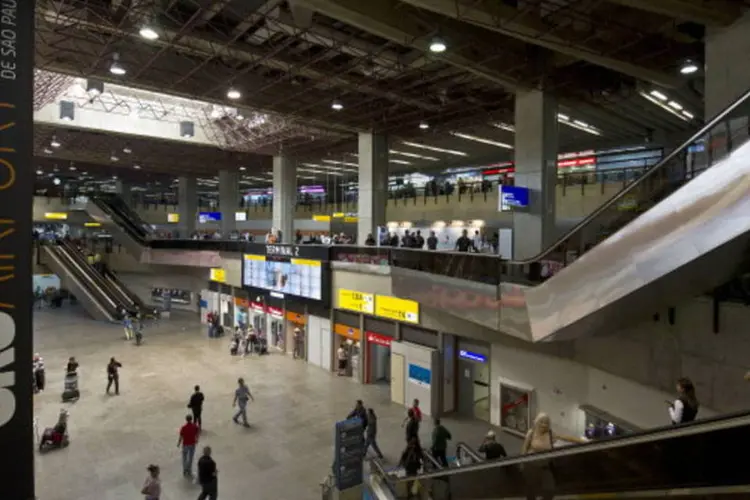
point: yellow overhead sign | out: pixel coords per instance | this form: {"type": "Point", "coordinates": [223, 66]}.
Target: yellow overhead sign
{"type": "Point", "coordinates": [357, 301]}
{"type": "Point", "coordinates": [218, 274]}
{"type": "Point", "coordinates": [397, 309]}
{"type": "Point", "coordinates": [173, 218]}
{"type": "Point", "coordinates": [322, 218]}
{"type": "Point", "coordinates": [56, 215]}
{"type": "Point", "coordinates": [92, 224]}
{"type": "Point", "coordinates": [351, 219]}
{"type": "Point", "coordinates": [338, 215]}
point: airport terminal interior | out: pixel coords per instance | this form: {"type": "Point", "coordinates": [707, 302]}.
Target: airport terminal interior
{"type": "Point", "coordinates": [394, 249]}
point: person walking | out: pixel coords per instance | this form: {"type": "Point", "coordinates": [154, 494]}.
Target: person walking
{"type": "Point", "coordinates": [187, 439]}
{"type": "Point", "coordinates": [196, 406]}
{"type": "Point", "coordinates": [685, 408]}
{"type": "Point", "coordinates": [491, 448]}
{"type": "Point", "coordinates": [113, 375]}
{"type": "Point", "coordinates": [371, 433]}
{"type": "Point", "coordinates": [412, 426]}
{"type": "Point", "coordinates": [207, 476]}
{"type": "Point", "coordinates": [411, 460]}
{"type": "Point", "coordinates": [440, 438]}
{"type": "Point", "coordinates": [241, 397]}
{"type": "Point", "coordinates": [39, 372]}
{"type": "Point", "coordinates": [359, 412]}
{"type": "Point", "coordinates": [152, 486]}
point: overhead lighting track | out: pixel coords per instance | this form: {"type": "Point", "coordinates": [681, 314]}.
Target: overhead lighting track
{"type": "Point", "coordinates": [578, 124]}
{"type": "Point", "coordinates": [671, 106]}
{"type": "Point", "coordinates": [434, 148]}
{"type": "Point", "coordinates": [482, 140]}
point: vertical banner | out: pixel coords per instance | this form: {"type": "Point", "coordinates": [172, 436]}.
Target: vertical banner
{"type": "Point", "coordinates": [16, 149]}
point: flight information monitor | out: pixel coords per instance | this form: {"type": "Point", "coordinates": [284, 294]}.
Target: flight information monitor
{"type": "Point", "coordinates": [300, 277]}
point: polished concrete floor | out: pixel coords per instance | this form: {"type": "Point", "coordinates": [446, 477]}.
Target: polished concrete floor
{"type": "Point", "coordinates": [283, 455]}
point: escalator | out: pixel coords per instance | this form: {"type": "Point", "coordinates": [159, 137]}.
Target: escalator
{"type": "Point", "coordinates": [676, 232]}
{"type": "Point", "coordinates": [131, 300]}
{"type": "Point", "coordinates": [121, 221]}
{"type": "Point", "coordinates": [82, 281]}
{"type": "Point", "coordinates": [693, 460]}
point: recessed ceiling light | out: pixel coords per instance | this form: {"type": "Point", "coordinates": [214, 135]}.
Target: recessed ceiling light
{"type": "Point", "coordinates": [578, 124]}
{"type": "Point", "coordinates": [334, 162]}
{"type": "Point", "coordinates": [47, 151]}
{"type": "Point", "coordinates": [137, 167]}
{"type": "Point", "coordinates": [675, 105]}
{"type": "Point", "coordinates": [562, 117]}
{"type": "Point", "coordinates": [401, 162]}
{"type": "Point", "coordinates": [127, 150]}
{"type": "Point", "coordinates": [39, 172]}
{"type": "Point", "coordinates": [424, 125]}
{"type": "Point", "coordinates": [148, 33]}
{"type": "Point", "coordinates": [688, 68]}
{"type": "Point", "coordinates": [54, 142]}
{"type": "Point", "coordinates": [233, 94]}
{"type": "Point", "coordinates": [337, 105]}
{"type": "Point", "coordinates": [413, 155]}
{"type": "Point", "coordinates": [658, 95]}
{"type": "Point", "coordinates": [483, 140]}
{"type": "Point", "coordinates": [116, 68]}
{"type": "Point", "coordinates": [504, 126]}
{"type": "Point", "coordinates": [437, 45]}
{"type": "Point", "coordinates": [114, 158]}
{"type": "Point", "coordinates": [242, 169]}
{"type": "Point", "coordinates": [688, 114]}
{"type": "Point", "coordinates": [72, 168]}
{"type": "Point", "coordinates": [434, 148]}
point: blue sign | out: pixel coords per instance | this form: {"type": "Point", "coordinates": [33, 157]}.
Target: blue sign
{"type": "Point", "coordinates": [204, 217]}
{"type": "Point", "coordinates": [472, 356]}
{"type": "Point", "coordinates": [349, 454]}
{"type": "Point", "coordinates": [513, 197]}
{"type": "Point", "coordinates": [420, 375]}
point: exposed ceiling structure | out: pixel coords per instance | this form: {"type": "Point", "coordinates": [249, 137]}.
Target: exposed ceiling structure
{"type": "Point", "coordinates": [291, 60]}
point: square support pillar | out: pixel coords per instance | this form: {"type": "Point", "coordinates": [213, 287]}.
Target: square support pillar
{"type": "Point", "coordinates": [228, 200]}
{"type": "Point", "coordinates": [373, 184]}
{"type": "Point", "coordinates": [284, 197]}
{"type": "Point", "coordinates": [536, 169]}
{"type": "Point", "coordinates": [187, 205]}
{"type": "Point", "coordinates": [726, 79]}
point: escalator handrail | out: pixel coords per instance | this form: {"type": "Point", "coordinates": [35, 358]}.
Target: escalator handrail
{"type": "Point", "coordinates": [461, 446]}
{"type": "Point", "coordinates": [669, 432]}
{"type": "Point", "coordinates": [120, 218]}
{"type": "Point", "coordinates": [94, 275]}
{"type": "Point", "coordinates": [433, 461]}
{"type": "Point", "coordinates": [116, 281]}
{"type": "Point", "coordinates": [76, 269]}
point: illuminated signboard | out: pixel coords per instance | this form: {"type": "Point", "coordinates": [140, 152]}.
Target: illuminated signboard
{"type": "Point", "coordinates": [56, 215]}
{"type": "Point", "coordinates": [301, 277]}
{"type": "Point", "coordinates": [512, 197]}
{"type": "Point", "coordinates": [218, 274]}
{"type": "Point", "coordinates": [472, 356]}
{"type": "Point", "coordinates": [397, 309]}
{"type": "Point", "coordinates": [357, 301]}
{"type": "Point", "coordinates": [240, 216]}
{"type": "Point", "coordinates": [173, 218]}
{"type": "Point", "coordinates": [204, 217]}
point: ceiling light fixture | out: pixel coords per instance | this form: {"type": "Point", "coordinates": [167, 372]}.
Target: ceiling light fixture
{"type": "Point", "coordinates": [578, 124]}
{"type": "Point", "coordinates": [437, 45]}
{"type": "Point", "coordinates": [424, 125]}
{"type": "Point", "coordinates": [336, 105]}
{"type": "Point", "coordinates": [39, 172]}
{"type": "Point", "coordinates": [114, 157]}
{"type": "Point", "coordinates": [689, 67]}
{"type": "Point", "coordinates": [233, 93]}
{"type": "Point", "coordinates": [127, 150]}
{"type": "Point", "coordinates": [400, 162]}
{"type": "Point", "coordinates": [72, 168]}
{"type": "Point", "coordinates": [137, 167]}
{"type": "Point", "coordinates": [504, 126]}
{"type": "Point", "coordinates": [56, 181]}
{"type": "Point", "coordinates": [434, 148]}
{"type": "Point", "coordinates": [54, 142]}
{"type": "Point", "coordinates": [483, 140]}
{"type": "Point", "coordinates": [148, 33]}
{"type": "Point", "coordinates": [47, 151]}
{"type": "Point", "coordinates": [334, 162]}
{"type": "Point", "coordinates": [413, 155]}
{"type": "Point", "coordinates": [116, 68]}
{"type": "Point", "coordinates": [670, 106]}
{"type": "Point", "coordinates": [242, 169]}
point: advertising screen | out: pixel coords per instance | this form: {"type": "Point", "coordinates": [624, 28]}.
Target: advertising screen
{"type": "Point", "coordinates": [513, 197]}
{"type": "Point", "coordinates": [204, 217]}
{"type": "Point", "coordinates": [300, 277]}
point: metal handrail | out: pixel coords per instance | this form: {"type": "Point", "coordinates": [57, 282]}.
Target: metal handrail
{"type": "Point", "coordinates": [461, 446]}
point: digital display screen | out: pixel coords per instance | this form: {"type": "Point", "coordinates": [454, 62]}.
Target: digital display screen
{"type": "Point", "coordinates": [204, 217]}
{"type": "Point", "coordinates": [300, 277]}
{"type": "Point", "coordinates": [513, 197]}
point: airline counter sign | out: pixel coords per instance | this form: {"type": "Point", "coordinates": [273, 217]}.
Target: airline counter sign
{"type": "Point", "coordinates": [16, 139]}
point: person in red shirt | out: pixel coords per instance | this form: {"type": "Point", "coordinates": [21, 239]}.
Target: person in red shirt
{"type": "Point", "coordinates": [188, 439]}
{"type": "Point", "coordinates": [416, 412]}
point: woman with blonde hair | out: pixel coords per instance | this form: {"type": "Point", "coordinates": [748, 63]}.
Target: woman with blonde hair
{"type": "Point", "coordinates": [540, 480]}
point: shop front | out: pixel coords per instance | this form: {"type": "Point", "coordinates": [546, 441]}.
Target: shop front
{"type": "Point", "coordinates": [379, 335]}
{"type": "Point", "coordinates": [226, 306]}
{"type": "Point", "coordinates": [346, 347]}
{"type": "Point", "coordinates": [473, 368]}
{"type": "Point", "coordinates": [275, 327]}
{"type": "Point", "coordinates": [241, 312]}
{"type": "Point", "coordinates": [257, 317]}
{"type": "Point", "coordinates": [296, 331]}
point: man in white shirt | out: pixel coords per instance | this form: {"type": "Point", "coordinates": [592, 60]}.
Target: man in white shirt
{"type": "Point", "coordinates": [342, 359]}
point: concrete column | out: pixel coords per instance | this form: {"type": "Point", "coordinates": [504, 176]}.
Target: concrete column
{"type": "Point", "coordinates": [228, 200]}
{"type": "Point", "coordinates": [725, 78]}
{"type": "Point", "coordinates": [284, 196]}
{"type": "Point", "coordinates": [536, 169]}
{"type": "Point", "coordinates": [123, 189]}
{"type": "Point", "coordinates": [187, 200]}
{"type": "Point", "coordinates": [373, 184]}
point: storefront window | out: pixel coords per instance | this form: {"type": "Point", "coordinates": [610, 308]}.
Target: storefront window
{"type": "Point", "coordinates": [515, 409]}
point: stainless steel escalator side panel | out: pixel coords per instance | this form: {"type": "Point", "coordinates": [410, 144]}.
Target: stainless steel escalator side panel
{"type": "Point", "coordinates": [82, 293]}
{"type": "Point", "coordinates": [657, 260]}
{"type": "Point", "coordinates": [120, 235]}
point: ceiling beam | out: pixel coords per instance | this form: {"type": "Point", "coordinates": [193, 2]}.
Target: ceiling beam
{"type": "Point", "coordinates": [509, 22]}
{"type": "Point", "coordinates": [382, 19]}
{"type": "Point", "coordinates": [715, 13]}
{"type": "Point", "coordinates": [211, 11]}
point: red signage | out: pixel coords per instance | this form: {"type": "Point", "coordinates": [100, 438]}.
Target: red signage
{"type": "Point", "coordinates": [275, 311]}
{"type": "Point", "coordinates": [257, 307]}
{"type": "Point", "coordinates": [576, 162]}
{"type": "Point", "coordinates": [378, 339]}
{"type": "Point", "coordinates": [509, 167]}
